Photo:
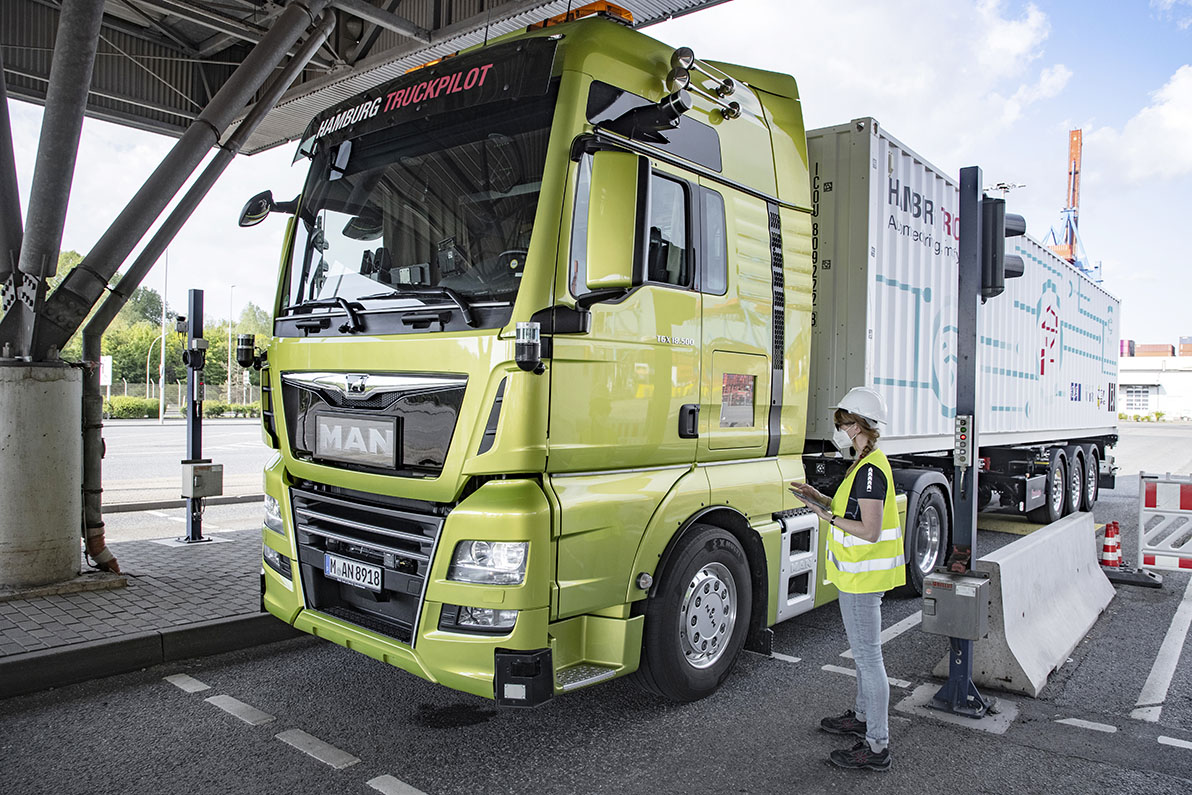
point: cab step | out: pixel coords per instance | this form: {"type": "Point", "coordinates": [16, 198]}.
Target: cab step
{"type": "Point", "coordinates": [582, 675]}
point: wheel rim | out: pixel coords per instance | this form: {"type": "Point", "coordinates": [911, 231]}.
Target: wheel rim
{"type": "Point", "coordinates": [1090, 480]}
{"type": "Point", "coordinates": [1074, 484]}
{"type": "Point", "coordinates": [709, 615]}
{"type": "Point", "coordinates": [1057, 489]}
{"type": "Point", "coordinates": [927, 538]}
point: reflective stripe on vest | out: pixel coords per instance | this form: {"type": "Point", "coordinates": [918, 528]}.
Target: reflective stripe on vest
{"type": "Point", "coordinates": [858, 566]}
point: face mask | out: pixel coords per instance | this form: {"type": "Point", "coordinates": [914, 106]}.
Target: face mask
{"type": "Point", "coordinates": [842, 440]}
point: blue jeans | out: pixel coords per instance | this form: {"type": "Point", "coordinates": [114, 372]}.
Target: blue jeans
{"type": "Point", "coordinates": [862, 614]}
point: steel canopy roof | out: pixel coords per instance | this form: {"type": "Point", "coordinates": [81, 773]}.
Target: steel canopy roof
{"type": "Point", "coordinates": [160, 61]}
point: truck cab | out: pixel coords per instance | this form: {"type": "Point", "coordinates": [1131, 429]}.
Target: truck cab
{"type": "Point", "coordinates": [539, 369]}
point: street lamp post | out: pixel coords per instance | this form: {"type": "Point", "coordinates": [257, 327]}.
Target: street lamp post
{"type": "Point", "coordinates": [229, 379]}
{"type": "Point", "coordinates": [148, 356]}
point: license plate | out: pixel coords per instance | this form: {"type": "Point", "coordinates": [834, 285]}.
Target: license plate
{"type": "Point", "coordinates": [347, 571]}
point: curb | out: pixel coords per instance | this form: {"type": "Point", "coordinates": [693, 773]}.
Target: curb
{"type": "Point", "coordinates": [80, 662]}
{"type": "Point", "coordinates": [128, 507]}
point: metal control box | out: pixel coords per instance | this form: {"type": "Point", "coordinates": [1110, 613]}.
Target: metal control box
{"type": "Point", "coordinates": [202, 480]}
{"type": "Point", "coordinates": [956, 605]}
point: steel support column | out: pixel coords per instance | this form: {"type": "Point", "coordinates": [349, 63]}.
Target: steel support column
{"type": "Point", "coordinates": [66, 309]}
{"type": "Point", "coordinates": [10, 210]}
{"type": "Point", "coordinates": [53, 171]}
{"type": "Point", "coordinates": [93, 524]}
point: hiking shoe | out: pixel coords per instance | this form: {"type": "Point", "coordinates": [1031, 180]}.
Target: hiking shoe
{"type": "Point", "coordinates": [845, 724]}
{"type": "Point", "coordinates": [861, 756]}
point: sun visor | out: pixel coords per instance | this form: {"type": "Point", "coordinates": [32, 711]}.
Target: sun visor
{"type": "Point", "coordinates": [503, 72]}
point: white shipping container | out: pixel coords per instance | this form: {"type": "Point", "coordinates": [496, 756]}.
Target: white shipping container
{"type": "Point", "coordinates": [885, 251]}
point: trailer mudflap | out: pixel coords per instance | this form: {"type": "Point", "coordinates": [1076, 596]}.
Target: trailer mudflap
{"type": "Point", "coordinates": [523, 678]}
{"type": "Point", "coordinates": [1034, 492]}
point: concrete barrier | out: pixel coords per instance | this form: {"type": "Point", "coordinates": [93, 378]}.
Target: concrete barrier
{"type": "Point", "coordinates": [1048, 591]}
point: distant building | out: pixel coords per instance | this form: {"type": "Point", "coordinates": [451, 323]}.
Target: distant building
{"type": "Point", "coordinates": [1156, 380]}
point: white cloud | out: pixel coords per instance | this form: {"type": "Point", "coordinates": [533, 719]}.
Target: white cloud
{"type": "Point", "coordinates": [1179, 11]}
{"type": "Point", "coordinates": [1152, 144]}
{"type": "Point", "coordinates": [972, 69]}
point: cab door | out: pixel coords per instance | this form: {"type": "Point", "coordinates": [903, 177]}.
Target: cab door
{"type": "Point", "coordinates": [625, 394]}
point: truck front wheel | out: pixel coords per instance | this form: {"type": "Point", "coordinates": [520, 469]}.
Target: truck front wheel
{"type": "Point", "coordinates": [697, 617]}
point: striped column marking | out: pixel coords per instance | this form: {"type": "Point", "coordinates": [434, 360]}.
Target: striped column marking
{"type": "Point", "coordinates": [249, 714]}
{"type": "Point", "coordinates": [388, 785]}
{"type": "Point", "coordinates": [1154, 691]}
{"type": "Point", "coordinates": [893, 631]}
{"type": "Point", "coordinates": [312, 746]}
{"type": "Point", "coordinates": [1173, 742]}
{"type": "Point", "coordinates": [1088, 724]}
{"type": "Point", "coordinates": [785, 657]}
{"type": "Point", "coordinates": [187, 683]}
{"type": "Point", "coordinates": [836, 669]}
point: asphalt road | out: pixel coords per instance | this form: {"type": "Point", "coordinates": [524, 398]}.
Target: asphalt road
{"type": "Point", "coordinates": [142, 734]}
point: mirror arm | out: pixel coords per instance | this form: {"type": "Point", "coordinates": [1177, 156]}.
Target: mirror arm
{"type": "Point", "coordinates": [289, 208]}
{"type": "Point", "coordinates": [586, 300]}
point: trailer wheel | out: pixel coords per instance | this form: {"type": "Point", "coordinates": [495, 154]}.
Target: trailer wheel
{"type": "Point", "coordinates": [1057, 487]}
{"type": "Point", "coordinates": [927, 537]}
{"type": "Point", "coordinates": [697, 617]}
{"type": "Point", "coordinates": [1092, 478]}
{"type": "Point", "coordinates": [1075, 494]}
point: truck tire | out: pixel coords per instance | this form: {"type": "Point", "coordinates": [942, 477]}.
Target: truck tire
{"type": "Point", "coordinates": [1057, 486]}
{"type": "Point", "coordinates": [697, 617]}
{"type": "Point", "coordinates": [926, 542]}
{"type": "Point", "coordinates": [1092, 478]}
{"type": "Point", "coordinates": [1075, 496]}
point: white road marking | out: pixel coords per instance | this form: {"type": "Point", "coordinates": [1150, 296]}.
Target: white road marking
{"type": "Point", "coordinates": [1154, 692]}
{"type": "Point", "coordinates": [249, 714]}
{"type": "Point", "coordinates": [894, 630]}
{"type": "Point", "coordinates": [313, 746]}
{"type": "Point", "coordinates": [836, 669]}
{"type": "Point", "coordinates": [785, 657]}
{"type": "Point", "coordinates": [393, 786]}
{"type": "Point", "coordinates": [167, 516]}
{"type": "Point", "coordinates": [1088, 724]}
{"type": "Point", "coordinates": [1174, 742]}
{"type": "Point", "coordinates": [187, 683]}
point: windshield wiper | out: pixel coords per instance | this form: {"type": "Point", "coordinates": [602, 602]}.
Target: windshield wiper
{"type": "Point", "coordinates": [354, 323]}
{"type": "Point", "coordinates": [400, 291]}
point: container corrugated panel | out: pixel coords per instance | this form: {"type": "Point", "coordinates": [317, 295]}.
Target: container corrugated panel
{"type": "Point", "coordinates": [885, 250]}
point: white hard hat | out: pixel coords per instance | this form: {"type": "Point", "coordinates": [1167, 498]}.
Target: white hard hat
{"type": "Point", "coordinates": [864, 402]}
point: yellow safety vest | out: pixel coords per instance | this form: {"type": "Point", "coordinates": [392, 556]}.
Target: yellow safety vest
{"type": "Point", "coordinates": [858, 566]}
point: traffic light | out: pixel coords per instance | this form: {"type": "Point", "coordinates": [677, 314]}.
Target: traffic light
{"type": "Point", "coordinates": [996, 264]}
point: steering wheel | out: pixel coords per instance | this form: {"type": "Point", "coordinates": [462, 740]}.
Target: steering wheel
{"type": "Point", "coordinates": [513, 259]}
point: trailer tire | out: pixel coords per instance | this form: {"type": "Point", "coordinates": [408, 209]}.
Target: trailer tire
{"type": "Point", "coordinates": [1092, 478]}
{"type": "Point", "coordinates": [1075, 496]}
{"type": "Point", "coordinates": [1056, 494]}
{"type": "Point", "coordinates": [708, 572]}
{"type": "Point", "coordinates": [926, 543]}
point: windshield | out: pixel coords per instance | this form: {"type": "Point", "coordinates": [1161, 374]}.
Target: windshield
{"type": "Point", "coordinates": [446, 202]}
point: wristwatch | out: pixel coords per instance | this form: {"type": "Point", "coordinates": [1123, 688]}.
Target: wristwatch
{"type": "Point", "coordinates": [832, 520]}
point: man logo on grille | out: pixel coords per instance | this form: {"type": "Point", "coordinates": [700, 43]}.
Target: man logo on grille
{"type": "Point", "coordinates": [356, 384]}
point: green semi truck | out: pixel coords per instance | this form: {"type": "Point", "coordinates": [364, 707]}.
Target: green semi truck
{"type": "Point", "coordinates": [540, 371]}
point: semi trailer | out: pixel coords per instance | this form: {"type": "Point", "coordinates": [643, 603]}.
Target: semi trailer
{"type": "Point", "coordinates": [556, 325]}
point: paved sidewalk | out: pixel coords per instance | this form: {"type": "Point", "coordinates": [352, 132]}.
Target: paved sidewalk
{"type": "Point", "coordinates": [180, 602]}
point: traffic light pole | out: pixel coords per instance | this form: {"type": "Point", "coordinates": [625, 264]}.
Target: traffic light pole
{"type": "Point", "coordinates": [195, 358]}
{"type": "Point", "coordinates": [960, 695]}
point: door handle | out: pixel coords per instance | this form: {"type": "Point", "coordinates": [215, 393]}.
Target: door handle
{"type": "Point", "coordinates": [689, 421]}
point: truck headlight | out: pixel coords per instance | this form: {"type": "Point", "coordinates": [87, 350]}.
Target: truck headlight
{"type": "Point", "coordinates": [489, 562]}
{"type": "Point", "coordinates": [273, 515]}
{"type": "Point", "coordinates": [483, 620]}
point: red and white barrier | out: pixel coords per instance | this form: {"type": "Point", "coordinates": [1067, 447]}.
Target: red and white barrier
{"type": "Point", "coordinates": [1165, 522]}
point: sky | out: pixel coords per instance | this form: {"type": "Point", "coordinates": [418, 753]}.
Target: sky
{"type": "Point", "coordinates": [992, 83]}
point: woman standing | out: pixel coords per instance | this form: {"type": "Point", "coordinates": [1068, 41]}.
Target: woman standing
{"type": "Point", "coordinates": [864, 560]}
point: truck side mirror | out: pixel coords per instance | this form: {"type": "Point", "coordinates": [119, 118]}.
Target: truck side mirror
{"type": "Point", "coordinates": [618, 203]}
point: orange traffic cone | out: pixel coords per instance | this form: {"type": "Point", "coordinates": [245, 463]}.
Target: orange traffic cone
{"type": "Point", "coordinates": [1111, 548]}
